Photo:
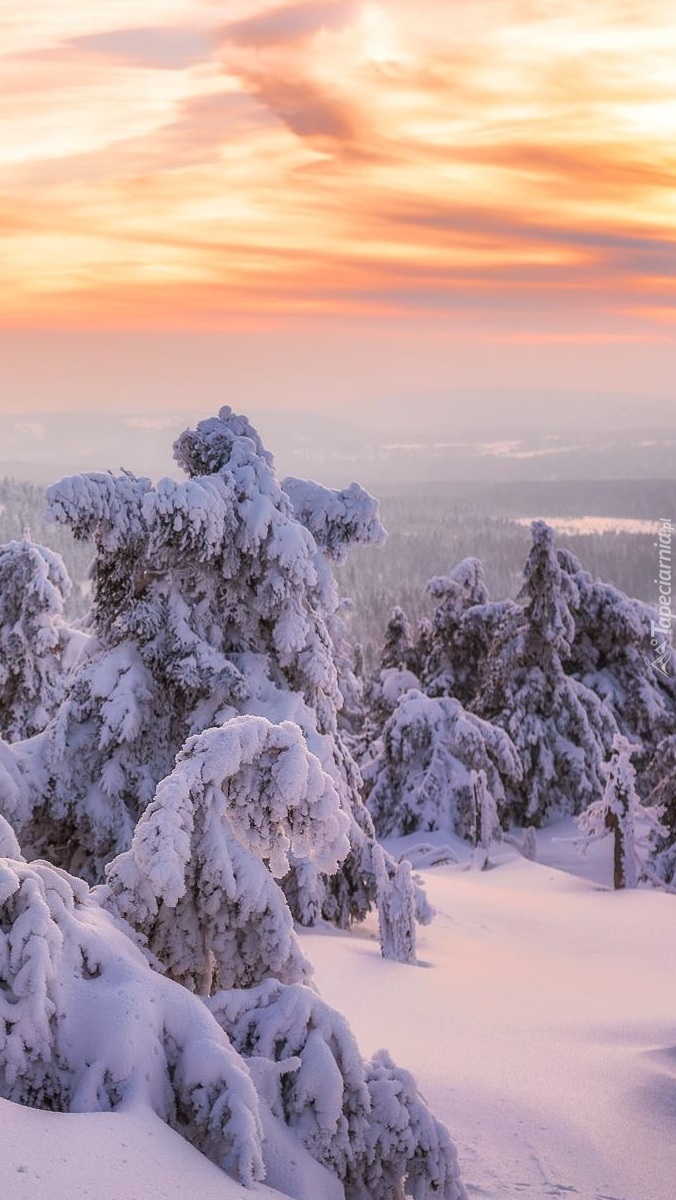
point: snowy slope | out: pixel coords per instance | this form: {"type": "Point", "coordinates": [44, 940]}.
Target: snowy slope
{"type": "Point", "coordinates": [541, 1026]}
{"type": "Point", "coordinates": [105, 1156]}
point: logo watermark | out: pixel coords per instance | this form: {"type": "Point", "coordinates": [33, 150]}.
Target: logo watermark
{"type": "Point", "coordinates": [660, 630]}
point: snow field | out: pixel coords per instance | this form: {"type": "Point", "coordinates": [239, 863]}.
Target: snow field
{"type": "Point", "coordinates": [540, 1025]}
{"type": "Point", "coordinates": [129, 1155]}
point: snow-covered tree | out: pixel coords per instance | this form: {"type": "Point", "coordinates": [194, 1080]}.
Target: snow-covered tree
{"type": "Point", "coordinates": [561, 729]}
{"type": "Point", "coordinates": [612, 653]}
{"type": "Point", "coordinates": [461, 632]}
{"type": "Point", "coordinates": [37, 647]}
{"type": "Point", "coordinates": [485, 826]}
{"type": "Point", "coordinates": [86, 1025]}
{"type": "Point", "coordinates": [397, 910]}
{"type": "Point", "coordinates": [364, 1120]}
{"type": "Point", "coordinates": [447, 655]}
{"type": "Point", "coordinates": [529, 843]}
{"type": "Point", "coordinates": [195, 882]}
{"type": "Point", "coordinates": [254, 1078]}
{"type": "Point", "coordinates": [208, 911]}
{"type": "Point", "coordinates": [421, 775]}
{"type": "Point", "coordinates": [395, 674]}
{"type": "Point", "coordinates": [619, 813]}
{"type": "Point", "coordinates": [398, 648]}
{"type": "Point", "coordinates": [211, 598]}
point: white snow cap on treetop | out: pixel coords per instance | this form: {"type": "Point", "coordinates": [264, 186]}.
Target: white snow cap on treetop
{"type": "Point", "coordinates": [206, 449]}
{"type": "Point", "coordinates": [467, 576]}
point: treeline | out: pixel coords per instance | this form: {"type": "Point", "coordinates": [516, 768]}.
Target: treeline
{"type": "Point", "coordinates": [432, 530]}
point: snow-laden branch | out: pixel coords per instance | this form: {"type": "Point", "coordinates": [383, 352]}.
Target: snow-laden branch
{"type": "Point", "coordinates": [195, 882]}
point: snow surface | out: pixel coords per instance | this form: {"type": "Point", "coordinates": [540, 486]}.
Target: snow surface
{"type": "Point", "coordinates": [106, 1156]}
{"type": "Point", "coordinates": [540, 1024]}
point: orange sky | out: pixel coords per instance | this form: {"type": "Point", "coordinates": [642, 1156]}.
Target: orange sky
{"type": "Point", "coordinates": [485, 169]}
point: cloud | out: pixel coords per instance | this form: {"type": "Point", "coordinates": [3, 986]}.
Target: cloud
{"type": "Point", "coordinates": [169, 48]}
{"type": "Point", "coordinates": [306, 108]}
{"type": "Point", "coordinates": [212, 162]}
{"type": "Point", "coordinates": [288, 24]}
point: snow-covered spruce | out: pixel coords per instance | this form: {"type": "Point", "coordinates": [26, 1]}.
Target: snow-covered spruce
{"type": "Point", "coordinates": [212, 598]}
{"type": "Point", "coordinates": [394, 675]}
{"type": "Point", "coordinates": [619, 812]}
{"type": "Point", "coordinates": [195, 883]}
{"type": "Point", "coordinates": [560, 728]}
{"type": "Point", "coordinates": [461, 633]}
{"type": "Point", "coordinates": [421, 776]}
{"type": "Point", "coordinates": [364, 1120]}
{"type": "Point", "coordinates": [546, 670]}
{"type": "Point", "coordinates": [37, 647]}
{"type": "Point", "coordinates": [86, 1025]}
{"type": "Point", "coordinates": [612, 653]}
{"type": "Point", "coordinates": [398, 651]}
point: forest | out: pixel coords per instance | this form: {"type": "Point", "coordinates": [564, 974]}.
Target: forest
{"type": "Point", "coordinates": [225, 699]}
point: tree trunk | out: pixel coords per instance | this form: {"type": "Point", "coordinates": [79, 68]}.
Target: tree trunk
{"type": "Point", "coordinates": [613, 824]}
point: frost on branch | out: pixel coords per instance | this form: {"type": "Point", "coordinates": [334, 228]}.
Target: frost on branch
{"type": "Point", "coordinates": [366, 1121]}
{"type": "Point", "coordinates": [421, 779]}
{"type": "Point", "coordinates": [195, 882]}
{"type": "Point", "coordinates": [37, 647]}
{"type": "Point", "coordinates": [87, 1026]}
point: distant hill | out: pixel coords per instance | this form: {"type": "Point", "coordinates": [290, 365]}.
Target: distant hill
{"type": "Point", "coordinates": [335, 448]}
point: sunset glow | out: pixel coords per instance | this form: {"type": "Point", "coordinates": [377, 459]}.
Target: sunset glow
{"type": "Point", "coordinates": [193, 164]}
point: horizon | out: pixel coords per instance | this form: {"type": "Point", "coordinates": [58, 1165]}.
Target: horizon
{"type": "Point", "coordinates": [415, 448]}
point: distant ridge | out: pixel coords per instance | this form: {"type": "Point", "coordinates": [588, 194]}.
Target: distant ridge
{"type": "Point", "coordinates": [336, 448]}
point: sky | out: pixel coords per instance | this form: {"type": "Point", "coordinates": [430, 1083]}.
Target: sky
{"type": "Point", "coordinates": [321, 203]}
